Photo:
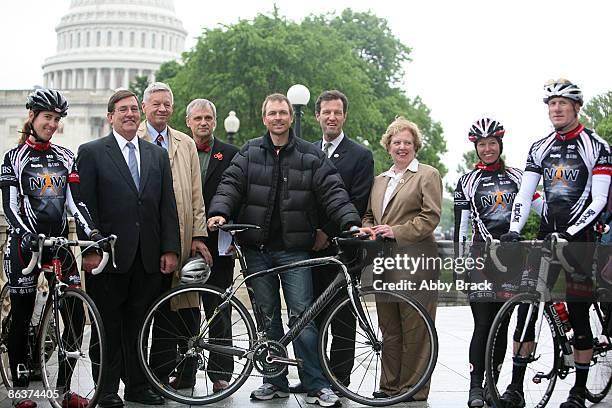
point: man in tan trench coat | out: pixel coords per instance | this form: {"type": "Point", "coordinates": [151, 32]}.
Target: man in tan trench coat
{"type": "Point", "coordinates": [157, 104]}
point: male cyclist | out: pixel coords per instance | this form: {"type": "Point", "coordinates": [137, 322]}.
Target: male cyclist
{"type": "Point", "coordinates": [575, 165]}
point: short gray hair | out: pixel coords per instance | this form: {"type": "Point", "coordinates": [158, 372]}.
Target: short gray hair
{"type": "Point", "coordinates": [201, 103]}
{"type": "Point", "coordinates": [157, 87]}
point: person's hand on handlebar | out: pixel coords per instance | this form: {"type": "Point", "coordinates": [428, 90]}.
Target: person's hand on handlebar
{"type": "Point", "coordinates": [367, 231]}
{"type": "Point", "coordinates": [384, 230]}
{"type": "Point", "coordinates": [511, 236]}
{"type": "Point", "coordinates": [214, 222]}
{"type": "Point", "coordinates": [29, 242]}
{"type": "Point", "coordinates": [96, 236]}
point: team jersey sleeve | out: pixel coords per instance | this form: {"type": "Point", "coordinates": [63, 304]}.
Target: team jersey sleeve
{"type": "Point", "coordinates": [8, 176]}
{"type": "Point", "coordinates": [534, 163]}
{"type": "Point", "coordinates": [77, 208]}
{"type": "Point", "coordinates": [523, 199]}
{"type": "Point", "coordinates": [10, 197]}
{"type": "Point", "coordinates": [462, 216]}
{"type": "Point", "coordinates": [599, 196]}
{"type": "Point", "coordinates": [603, 163]}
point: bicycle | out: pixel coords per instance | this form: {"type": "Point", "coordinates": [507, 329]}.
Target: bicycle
{"type": "Point", "coordinates": [549, 357]}
{"type": "Point", "coordinates": [59, 341]}
{"type": "Point", "coordinates": [200, 354]}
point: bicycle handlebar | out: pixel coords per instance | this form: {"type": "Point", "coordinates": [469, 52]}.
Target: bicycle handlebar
{"type": "Point", "coordinates": [557, 245]}
{"type": "Point", "coordinates": [44, 241]}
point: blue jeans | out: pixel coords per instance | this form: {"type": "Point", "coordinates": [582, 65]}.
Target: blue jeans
{"type": "Point", "coordinates": [297, 288]}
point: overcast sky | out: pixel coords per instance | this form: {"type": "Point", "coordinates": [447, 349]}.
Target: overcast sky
{"type": "Point", "coordinates": [469, 58]}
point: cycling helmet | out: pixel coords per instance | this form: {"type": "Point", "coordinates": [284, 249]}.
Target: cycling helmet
{"type": "Point", "coordinates": [195, 270]}
{"type": "Point", "coordinates": [486, 127]}
{"type": "Point", "coordinates": [43, 99]}
{"type": "Point", "coordinates": [563, 88]}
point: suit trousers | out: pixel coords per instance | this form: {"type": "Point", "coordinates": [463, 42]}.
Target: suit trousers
{"type": "Point", "coordinates": [123, 299]}
{"type": "Point", "coordinates": [405, 354]}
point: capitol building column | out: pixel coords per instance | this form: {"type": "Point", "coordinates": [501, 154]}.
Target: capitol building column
{"type": "Point", "coordinates": [98, 78]}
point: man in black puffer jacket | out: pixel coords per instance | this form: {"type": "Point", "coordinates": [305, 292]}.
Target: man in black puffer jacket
{"type": "Point", "coordinates": [277, 181]}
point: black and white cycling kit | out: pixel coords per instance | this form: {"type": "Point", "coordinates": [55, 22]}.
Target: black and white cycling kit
{"type": "Point", "coordinates": [576, 169]}
{"type": "Point", "coordinates": [39, 184]}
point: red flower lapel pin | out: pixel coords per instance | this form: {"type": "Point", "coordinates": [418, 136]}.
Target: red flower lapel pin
{"type": "Point", "coordinates": [218, 156]}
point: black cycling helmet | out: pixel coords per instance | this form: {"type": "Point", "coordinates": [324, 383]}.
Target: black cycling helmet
{"type": "Point", "coordinates": [43, 99]}
{"type": "Point", "coordinates": [486, 127]}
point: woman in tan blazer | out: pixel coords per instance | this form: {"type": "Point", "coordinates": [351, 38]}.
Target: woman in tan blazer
{"type": "Point", "coordinates": [405, 205]}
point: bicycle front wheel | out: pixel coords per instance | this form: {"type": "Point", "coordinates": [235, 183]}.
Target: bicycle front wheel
{"type": "Point", "coordinates": [600, 373]}
{"type": "Point", "coordinates": [70, 347]}
{"type": "Point", "coordinates": [192, 341]}
{"type": "Point", "coordinates": [541, 360]}
{"type": "Point", "coordinates": [5, 323]}
{"type": "Point", "coordinates": [359, 380]}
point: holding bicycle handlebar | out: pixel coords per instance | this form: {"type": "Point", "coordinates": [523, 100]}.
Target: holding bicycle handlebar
{"type": "Point", "coordinates": [39, 182]}
{"type": "Point", "coordinates": [575, 165]}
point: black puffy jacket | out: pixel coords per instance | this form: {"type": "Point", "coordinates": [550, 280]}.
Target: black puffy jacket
{"type": "Point", "coordinates": [248, 188]}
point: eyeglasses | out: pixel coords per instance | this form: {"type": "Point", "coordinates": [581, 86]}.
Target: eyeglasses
{"type": "Point", "coordinates": [124, 109]}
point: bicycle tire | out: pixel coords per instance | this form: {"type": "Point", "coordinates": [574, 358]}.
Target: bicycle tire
{"type": "Point", "coordinates": [600, 373]}
{"type": "Point", "coordinates": [83, 371]}
{"type": "Point", "coordinates": [193, 361]}
{"type": "Point", "coordinates": [5, 316]}
{"type": "Point", "coordinates": [362, 383]}
{"type": "Point", "coordinates": [548, 355]}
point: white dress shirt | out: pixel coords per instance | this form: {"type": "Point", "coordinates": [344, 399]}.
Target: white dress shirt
{"type": "Point", "coordinates": [125, 151]}
{"type": "Point", "coordinates": [335, 143]}
{"type": "Point", "coordinates": [395, 179]}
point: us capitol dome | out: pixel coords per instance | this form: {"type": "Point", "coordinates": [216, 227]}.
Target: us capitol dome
{"type": "Point", "coordinates": [102, 45]}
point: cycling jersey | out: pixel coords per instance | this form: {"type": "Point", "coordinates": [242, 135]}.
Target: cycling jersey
{"type": "Point", "coordinates": [34, 180]}
{"type": "Point", "coordinates": [576, 169]}
{"type": "Point", "coordinates": [486, 195]}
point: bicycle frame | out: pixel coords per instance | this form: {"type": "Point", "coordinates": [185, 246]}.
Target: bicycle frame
{"type": "Point", "coordinates": [341, 280]}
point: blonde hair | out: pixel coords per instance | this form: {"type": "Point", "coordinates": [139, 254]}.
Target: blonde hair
{"type": "Point", "coordinates": [562, 81]}
{"type": "Point", "coordinates": [398, 125]}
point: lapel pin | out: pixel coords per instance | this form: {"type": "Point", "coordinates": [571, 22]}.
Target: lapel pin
{"type": "Point", "coordinates": [336, 155]}
{"type": "Point", "coordinates": [218, 156]}
{"type": "Point", "coordinates": [401, 181]}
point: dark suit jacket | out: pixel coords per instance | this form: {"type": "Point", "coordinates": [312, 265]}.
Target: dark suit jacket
{"type": "Point", "coordinates": [144, 220]}
{"type": "Point", "coordinates": [355, 164]}
{"type": "Point", "coordinates": [221, 157]}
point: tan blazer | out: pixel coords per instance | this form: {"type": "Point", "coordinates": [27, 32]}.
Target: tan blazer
{"type": "Point", "coordinates": [415, 206]}
{"type": "Point", "coordinates": [187, 184]}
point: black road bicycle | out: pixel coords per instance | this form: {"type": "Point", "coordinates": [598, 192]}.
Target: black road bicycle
{"type": "Point", "coordinates": [199, 355]}
{"type": "Point", "coordinates": [549, 358]}
{"type": "Point", "coordinates": [63, 355]}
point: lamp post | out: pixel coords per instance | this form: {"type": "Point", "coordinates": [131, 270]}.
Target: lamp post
{"type": "Point", "coordinates": [231, 125]}
{"type": "Point", "coordinates": [298, 95]}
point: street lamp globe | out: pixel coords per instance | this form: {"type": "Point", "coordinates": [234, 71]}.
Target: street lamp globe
{"type": "Point", "coordinates": [298, 94]}
{"type": "Point", "coordinates": [231, 125]}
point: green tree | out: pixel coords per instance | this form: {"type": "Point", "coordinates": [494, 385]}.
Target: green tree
{"type": "Point", "coordinates": [138, 86]}
{"type": "Point", "coordinates": [597, 114]}
{"type": "Point", "coordinates": [167, 71]}
{"type": "Point", "coordinates": [237, 65]}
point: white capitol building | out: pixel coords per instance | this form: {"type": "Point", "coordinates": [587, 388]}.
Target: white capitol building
{"type": "Point", "coordinates": [101, 45]}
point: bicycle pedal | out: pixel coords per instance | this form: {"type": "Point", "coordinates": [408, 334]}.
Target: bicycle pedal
{"type": "Point", "coordinates": [537, 379]}
{"type": "Point", "coordinates": [284, 360]}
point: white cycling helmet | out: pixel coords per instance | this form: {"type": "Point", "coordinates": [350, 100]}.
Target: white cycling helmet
{"type": "Point", "coordinates": [195, 270]}
{"type": "Point", "coordinates": [562, 88]}
{"type": "Point", "coordinates": [484, 128]}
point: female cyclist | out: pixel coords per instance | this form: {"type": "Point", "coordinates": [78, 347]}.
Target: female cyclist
{"type": "Point", "coordinates": [485, 195]}
{"type": "Point", "coordinates": [39, 183]}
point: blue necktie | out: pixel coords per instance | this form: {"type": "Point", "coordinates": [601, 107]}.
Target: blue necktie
{"type": "Point", "coordinates": [133, 164]}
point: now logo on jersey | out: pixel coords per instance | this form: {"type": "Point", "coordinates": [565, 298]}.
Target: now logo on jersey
{"type": "Point", "coordinates": [497, 199]}
{"type": "Point", "coordinates": [561, 174]}
{"type": "Point", "coordinates": [46, 182]}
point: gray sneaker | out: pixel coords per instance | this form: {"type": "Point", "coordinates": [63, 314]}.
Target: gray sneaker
{"type": "Point", "coordinates": [268, 391]}
{"type": "Point", "coordinates": [325, 397]}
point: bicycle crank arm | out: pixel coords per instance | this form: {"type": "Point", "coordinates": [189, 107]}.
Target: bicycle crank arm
{"type": "Point", "coordinates": [284, 360]}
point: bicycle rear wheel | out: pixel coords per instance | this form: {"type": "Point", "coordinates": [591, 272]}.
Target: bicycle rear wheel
{"type": "Point", "coordinates": [541, 359]}
{"type": "Point", "coordinates": [70, 347]}
{"type": "Point", "coordinates": [5, 322]}
{"type": "Point", "coordinates": [364, 378]}
{"type": "Point", "coordinates": [179, 360]}
{"type": "Point", "coordinates": [600, 373]}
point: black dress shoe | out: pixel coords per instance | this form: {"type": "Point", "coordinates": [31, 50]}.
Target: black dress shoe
{"type": "Point", "coordinates": [110, 401]}
{"type": "Point", "coordinates": [297, 388]}
{"type": "Point", "coordinates": [380, 394]}
{"type": "Point", "coordinates": [146, 396]}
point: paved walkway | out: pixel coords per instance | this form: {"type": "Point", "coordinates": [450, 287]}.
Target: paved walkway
{"type": "Point", "coordinates": [449, 382]}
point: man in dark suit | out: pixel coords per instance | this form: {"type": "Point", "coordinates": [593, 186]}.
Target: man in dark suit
{"type": "Point", "coordinates": [214, 156]}
{"type": "Point", "coordinates": [127, 185]}
{"type": "Point", "coordinates": [356, 167]}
